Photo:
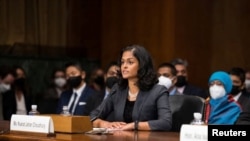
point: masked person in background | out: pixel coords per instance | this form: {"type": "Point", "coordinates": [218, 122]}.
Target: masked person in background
{"type": "Point", "coordinates": [96, 80]}
{"type": "Point", "coordinates": [6, 80]}
{"type": "Point", "coordinates": [47, 102]}
{"type": "Point", "coordinates": [220, 107]}
{"type": "Point", "coordinates": [19, 99]}
{"type": "Point", "coordinates": [76, 98]}
{"type": "Point", "coordinates": [182, 84]}
{"type": "Point", "coordinates": [237, 75]}
{"type": "Point", "coordinates": [167, 77]}
{"type": "Point", "coordinates": [110, 78]}
{"type": "Point", "coordinates": [7, 77]}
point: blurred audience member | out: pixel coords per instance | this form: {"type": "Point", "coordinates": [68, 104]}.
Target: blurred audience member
{"type": "Point", "coordinates": [247, 81]}
{"type": "Point", "coordinates": [18, 100]}
{"type": "Point", "coordinates": [77, 96]}
{"type": "Point", "coordinates": [6, 80]}
{"type": "Point", "coordinates": [220, 107]}
{"type": "Point", "coordinates": [167, 77]}
{"type": "Point", "coordinates": [110, 77]}
{"type": "Point", "coordinates": [49, 101]}
{"type": "Point", "coordinates": [182, 80]}
{"type": "Point", "coordinates": [97, 81]}
{"type": "Point", "coordinates": [237, 75]}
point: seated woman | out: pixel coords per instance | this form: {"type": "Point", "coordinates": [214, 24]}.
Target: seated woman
{"type": "Point", "coordinates": [221, 108]}
{"type": "Point", "coordinates": [18, 100]}
{"type": "Point", "coordinates": [137, 102]}
{"type": "Point", "coordinates": [48, 100]}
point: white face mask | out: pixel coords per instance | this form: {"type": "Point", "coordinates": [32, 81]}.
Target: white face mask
{"type": "Point", "coordinates": [165, 81]}
{"type": "Point", "coordinates": [217, 91]}
{"type": "Point", "coordinates": [60, 82]}
{"type": "Point", "coordinates": [247, 83]}
{"type": "Point", "coordinates": [4, 87]}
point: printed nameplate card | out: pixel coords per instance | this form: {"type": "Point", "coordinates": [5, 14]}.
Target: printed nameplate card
{"type": "Point", "coordinates": [194, 132]}
{"type": "Point", "coordinates": [27, 123]}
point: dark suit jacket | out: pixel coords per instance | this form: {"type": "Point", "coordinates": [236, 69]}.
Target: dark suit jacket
{"type": "Point", "coordinates": [152, 106]}
{"type": "Point", "coordinates": [84, 98]}
{"type": "Point", "coordinates": [244, 117]}
{"type": "Point", "coordinates": [47, 104]}
{"type": "Point", "coordinates": [243, 100]}
{"type": "Point", "coordinates": [10, 106]}
{"type": "Point", "coordinates": [94, 101]}
{"type": "Point", "coordinates": [193, 90]}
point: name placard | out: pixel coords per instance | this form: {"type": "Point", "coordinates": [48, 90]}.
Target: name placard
{"type": "Point", "coordinates": [27, 123]}
{"type": "Point", "coordinates": [194, 132]}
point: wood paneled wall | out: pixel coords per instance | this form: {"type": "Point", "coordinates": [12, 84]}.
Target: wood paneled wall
{"type": "Point", "coordinates": [84, 28]}
{"type": "Point", "coordinates": [230, 34]}
{"type": "Point", "coordinates": [146, 22]}
{"type": "Point", "coordinates": [210, 34]}
{"type": "Point", "coordinates": [38, 22]}
{"type": "Point", "coordinates": [167, 28]}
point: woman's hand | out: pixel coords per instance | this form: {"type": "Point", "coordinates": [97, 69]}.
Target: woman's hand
{"type": "Point", "coordinates": [99, 123]}
{"type": "Point", "coordinates": [111, 125]}
{"type": "Point", "coordinates": [115, 125]}
{"type": "Point", "coordinates": [128, 126]}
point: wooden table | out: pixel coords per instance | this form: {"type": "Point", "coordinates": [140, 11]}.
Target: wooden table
{"type": "Point", "coordinates": [116, 136]}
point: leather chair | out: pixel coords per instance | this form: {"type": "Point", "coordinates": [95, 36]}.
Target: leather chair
{"type": "Point", "coordinates": [183, 107]}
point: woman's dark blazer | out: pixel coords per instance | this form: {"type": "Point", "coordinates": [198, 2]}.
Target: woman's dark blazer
{"type": "Point", "coordinates": [10, 105]}
{"type": "Point", "coordinates": [151, 106]}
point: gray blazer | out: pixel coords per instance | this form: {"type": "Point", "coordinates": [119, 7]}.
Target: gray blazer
{"type": "Point", "coordinates": [151, 106]}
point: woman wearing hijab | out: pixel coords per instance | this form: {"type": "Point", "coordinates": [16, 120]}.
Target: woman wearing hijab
{"type": "Point", "coordinates": [221, 108]}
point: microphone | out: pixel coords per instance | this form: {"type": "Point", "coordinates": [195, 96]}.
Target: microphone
{"type": "Point", "coordinates": [102, 105]}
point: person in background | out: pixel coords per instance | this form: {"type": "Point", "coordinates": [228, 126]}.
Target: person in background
{"type": "Point", "coordinates": [77, 96]}
{"type": "Point", "coordinates": [247, 81]}
{"type": "Point", "coordinates": [182, 80]}
{"type": "Point", "coordinates": [220, 107]}
{"type": "Point", "coordinates": [97, 81]}
{"type": "Point", "coordinates": [111, 78]}
{"type": "Point", "coordinates": [18, 100]}
{"type": "Point", "coordinates": [167, 71]}
{"type": "Point", "coordinates": [237, 75]}
{"type": "Point", "coordinates": [49, 100]}
{"type": "Point", "coordinates": [7, 77]}
{"type": "Point", "coordinates": [137, 101]}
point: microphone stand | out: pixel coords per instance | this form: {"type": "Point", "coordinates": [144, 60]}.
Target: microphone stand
{"type": "Point", "coordinates": [102, 105]}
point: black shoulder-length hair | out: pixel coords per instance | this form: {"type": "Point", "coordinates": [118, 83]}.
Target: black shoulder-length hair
{"type": "Point", "coordinates": [146, 74]}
